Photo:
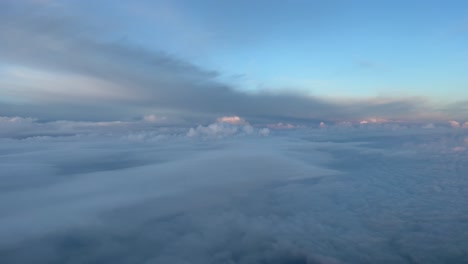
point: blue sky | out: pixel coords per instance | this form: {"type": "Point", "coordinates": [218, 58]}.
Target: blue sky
{"type": "Point", "coordinates": [328, 50]}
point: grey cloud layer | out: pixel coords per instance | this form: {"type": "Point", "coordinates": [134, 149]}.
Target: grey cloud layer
{"type": "Point", "coordinates": [303, 196]}
{"type": "Point", "coordinates": [94, 78]}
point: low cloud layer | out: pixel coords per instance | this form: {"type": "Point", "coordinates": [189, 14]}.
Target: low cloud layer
{"type": "Point", "coordinates": [340, 194]}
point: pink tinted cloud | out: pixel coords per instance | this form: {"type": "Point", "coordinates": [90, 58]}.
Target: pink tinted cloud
{"type": "Point", "coordinates": [233, 120]}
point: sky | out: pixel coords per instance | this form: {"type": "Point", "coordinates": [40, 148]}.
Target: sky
{"type": "Point", "coordinates": [238, 132]}
{"type": "Point", "coordinates": [265, 60]}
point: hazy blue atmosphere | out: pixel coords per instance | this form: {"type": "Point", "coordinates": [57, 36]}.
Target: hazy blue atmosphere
{"type": "Point", "coordinates": [234, 132]}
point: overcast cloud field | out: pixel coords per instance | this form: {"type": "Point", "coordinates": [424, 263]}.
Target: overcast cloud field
{"type": "Point", "coordinates": [219, 194]}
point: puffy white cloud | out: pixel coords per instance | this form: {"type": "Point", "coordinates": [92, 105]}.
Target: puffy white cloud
{"type": "Point", "coordinates": [264, 132]}
{"type": "Point", "coordinates": [226, 126]}
{"type": "Point", "coordinates": [221, 129]}
{"type": "Point", "coordinates": [248, 129]}
{"type": "Point", "coordinates": [233, 120]}
{"type": "Point", "coordinates": [213, 130]}
{"type": "Point", "coordinates": [281, 126]}
{"type": "Point", "coordinates": [454, 124]}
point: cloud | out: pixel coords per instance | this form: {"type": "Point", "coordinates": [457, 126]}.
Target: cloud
{"type": "Point", "coordinates": [100, 161]}
{"type": "Point", "coordinates": [264, 131]}
{"type": "Point", "coordinates": [153, 118]}
{"type": "Point", "coordinates": [302, 195]}
{"type": "Point", "coordinates": [12, 122]}
{"type": "Point", "coordinates": [103, 175]}
{"type": "Point", "coordinates": [281, 126]}
{"type": "Point", "coordinates": [59, 67]}
{"type": "Point", "coordinates": [214, 130]}
{"type": "Point", "coordinates": [23, 128]}
{"type": "Point", "coordinates": [234, 120]}
{"type": "Point", "coordinates": [15, 125]}
{"type": "Point", "coordinates": [227, 126]}
{"type": "Point", "coordinates": [429, 126]}
{"type": "Point", "coordinates": [454, 124]}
